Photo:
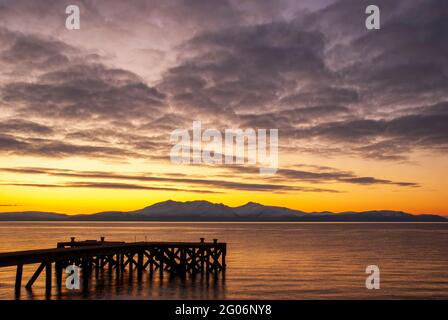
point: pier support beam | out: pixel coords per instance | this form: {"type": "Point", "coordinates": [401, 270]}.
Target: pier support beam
{"type": "Point", "coordinates": [140, 265]}
{"type": "Point", "coordinates": [58, 270]}
{"type": "Point", "coordinates": [35, 275]}
{"type": "Point", "coordinates": [19, 278]}
{"type": "Point", "coordinates": [48, 279]}
{"type": "Point", "coordinates": [85, 274]}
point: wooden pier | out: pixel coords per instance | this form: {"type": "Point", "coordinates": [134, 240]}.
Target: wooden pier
{"type": "Point", "coordinates": [180, 258]}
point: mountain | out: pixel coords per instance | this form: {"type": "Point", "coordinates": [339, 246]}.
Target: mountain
{"type": "Point", "coordinates": [257, 211]}
{"type": "Point", "coordinates": [191, 209]}
{"type": "Point", "coordinates": [32, 216]}
{"type": "Point", "coordinates": [207, 211]}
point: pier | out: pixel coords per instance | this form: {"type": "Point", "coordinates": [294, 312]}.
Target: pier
{"type": "Point", "coordinates": [176, 258]}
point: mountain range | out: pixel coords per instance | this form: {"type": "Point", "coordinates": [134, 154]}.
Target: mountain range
{"type": "Point", "coordinates": [207, 211]}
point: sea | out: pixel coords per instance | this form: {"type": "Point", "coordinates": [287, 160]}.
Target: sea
{"type": "Point", "coordinates": [264, 260]}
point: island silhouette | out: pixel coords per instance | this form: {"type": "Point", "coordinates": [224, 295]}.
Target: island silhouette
{"type": "Point", "coordinates": [207, 211]}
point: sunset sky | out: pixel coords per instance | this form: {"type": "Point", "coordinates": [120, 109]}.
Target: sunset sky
{"type": "Point", "coordinates": [86, 115]}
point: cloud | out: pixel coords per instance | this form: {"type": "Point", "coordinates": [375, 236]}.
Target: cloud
{"type": "Point", "coordinates": [329, 85]}
{"type": "Point", "coordinates": [58, 149]}
{"type": "Point", "coordinates": [86, 92]}
{"type": "Point", "coordinates": [388, 137]}
{"type": "Point", "coordinates": [144, 177]}
{"type": "Point", "coordinates": [25, 53]}
{"type": "Point", "coordinates": [245, 67]}
{"type": "Point", "coordinates": [24, 126]}
{"type": "Point", "coordinates": [288, 178]}
{"type": "Point", "coordinates": [287, 120]}
{"type": "Point", "coordinates": [323, 175]}
{"type": "Point", "coordinates": [82, 106]}
{"type": "Point", "coordinates": [300, 79]}
{"type": "Point", "coordinates": [102, 185]}
{"type": "Point", "coordinates": [402, 64]}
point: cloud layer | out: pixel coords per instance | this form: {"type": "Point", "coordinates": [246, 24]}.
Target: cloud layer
{"type": "Point", "coordinates": [116, 89]}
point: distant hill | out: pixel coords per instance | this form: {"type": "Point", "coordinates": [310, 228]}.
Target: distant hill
{"type": "Point", "coordinates": [31, 216]}
{"type": "Point", "coordinates": [207, 211]}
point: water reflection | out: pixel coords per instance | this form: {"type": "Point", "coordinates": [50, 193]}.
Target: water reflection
{"type": "Point", "coordinates": [129, 284]}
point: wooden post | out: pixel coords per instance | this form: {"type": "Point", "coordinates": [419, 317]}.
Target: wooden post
{"type": "Point", "coordinates": [35, 275]}
{"type": "Point", "coordinates": [19, 278]}
{"type": "Point", "coordinates": [85, 273]}
{"type": "Point", "coordinates": [183, 261]}
{"type": "Point", "coordinates": [202, 258]}
{"type": "Point", "coordinates": [58, 269]}
{"type": "Point", "coordinates": [48, 279]}
{"type": "Point", "coordinates": [207, 261]}
{"type": "Point", "coordinates": [117, 265]}
{"type": "Point", "coordinates": [122, 265]}
{"type": "Point", "coordinates": [224, 258]}
{"type": "Point", "coordinates": [131, 261]}
{"type": "Point", "coordinates": [172, 260]}
{"type": "Point", "coordinates": [151, 262]}
{"type": "Point", "coordinates": [140, 264]}
{"type": "Point", "coordinates": [161, 257]}
{"type": "Point", "coordinates": [110, 261]}
{"type": "Point", "coordinates": [96, 260]}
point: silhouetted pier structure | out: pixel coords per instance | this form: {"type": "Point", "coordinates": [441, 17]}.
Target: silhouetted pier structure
{"type": "Point", "coordinates": [174, 257]}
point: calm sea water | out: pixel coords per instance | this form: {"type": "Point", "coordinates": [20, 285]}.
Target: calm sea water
{"type": "Point", "coordinates": [265, 260]}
